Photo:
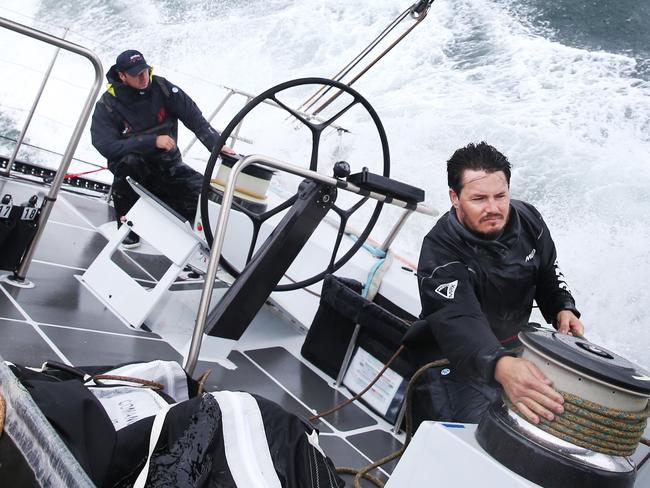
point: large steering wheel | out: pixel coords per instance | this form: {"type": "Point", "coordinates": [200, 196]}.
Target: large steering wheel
{"type": "Point", "coordinates": [316, 132]}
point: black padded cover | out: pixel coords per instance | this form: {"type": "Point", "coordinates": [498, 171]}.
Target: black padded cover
{"type": "Point", "coordinates": [386, 186]}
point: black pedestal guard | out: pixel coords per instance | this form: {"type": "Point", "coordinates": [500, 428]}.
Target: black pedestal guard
{"type": "Point", "coordinates": [539, 464]}
{"type": "Point", "coordinates": [250, 290]}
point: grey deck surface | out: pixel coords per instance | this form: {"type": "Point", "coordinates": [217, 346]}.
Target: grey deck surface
{"type": "Point", "coordinates": [59, 319]}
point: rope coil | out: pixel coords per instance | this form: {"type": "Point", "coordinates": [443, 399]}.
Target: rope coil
{"type": "Point", "coordinates": [3, 409]}
{"type": "Point", "coordinates": [595, 427]}
{"type": "Point", "coordinates": [99, 378]}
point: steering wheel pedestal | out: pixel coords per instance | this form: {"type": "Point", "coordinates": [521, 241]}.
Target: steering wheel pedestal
{"type": "Point", "coordinates": [255, 283]}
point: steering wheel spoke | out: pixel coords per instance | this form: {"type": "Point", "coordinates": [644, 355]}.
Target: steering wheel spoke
{"type": "Point", "coordinates": [337, 115]}
{"type": "Point", "coordinates": [297, 115]}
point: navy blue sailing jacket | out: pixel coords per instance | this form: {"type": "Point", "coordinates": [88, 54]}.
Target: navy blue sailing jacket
{"type": "Point", "coordinates": [128, 121]}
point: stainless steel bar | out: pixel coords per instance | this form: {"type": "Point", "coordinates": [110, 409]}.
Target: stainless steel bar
{"type": "Point", "coordinates": [400, 417]}
{"type": "Point", "coordinates": [220, 234]}
{"type": "Point", "coordinates": [21, 272]}
{"type": "Point", "coordinates": [395, 230]}
{"type": "Point", "coordinates": [348, 355]}
{"type": "Point", "coordinates": [21, 137]}
{"type": "Point", "coordinates": [235, 134]}
{"type": "Point", "coordinates": [273, 103]}
{"type": "Point", "coordinates": [210, 118]}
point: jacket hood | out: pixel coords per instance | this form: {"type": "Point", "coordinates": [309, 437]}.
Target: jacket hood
{"type": "Point", "coordinates": [112, 75]}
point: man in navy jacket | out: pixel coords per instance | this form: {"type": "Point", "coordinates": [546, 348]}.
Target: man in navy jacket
{"type": "Point", "coordinates": [480, 268]}
{"type": "Point", "coordinates": [135, 127]}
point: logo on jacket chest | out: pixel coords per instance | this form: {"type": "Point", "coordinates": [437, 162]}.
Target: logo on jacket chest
{"type": "Point", "coordinates": [162, 115]}
{"type": "Point", "coordinates": [531, 255]}
{"type": "Point", "coordinates": [447, 290]}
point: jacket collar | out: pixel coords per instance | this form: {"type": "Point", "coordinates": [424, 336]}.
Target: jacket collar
{"type": "Point", "coordinates": [117, 89]}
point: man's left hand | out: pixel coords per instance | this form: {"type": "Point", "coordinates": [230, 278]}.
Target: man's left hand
{"type": "Point", "coordinates": [567, 323]}
{"type": "Point", "coordinates": [227, 150]}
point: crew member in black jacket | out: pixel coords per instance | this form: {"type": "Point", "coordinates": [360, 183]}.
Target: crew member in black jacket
{"type": "Point", "coordinates": [480, 268]}
{"type": "Point", "coordinates": [135, 127]}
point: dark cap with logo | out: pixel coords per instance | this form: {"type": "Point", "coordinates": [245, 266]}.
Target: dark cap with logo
{"type": "Point", "coordinates": [131, 62]}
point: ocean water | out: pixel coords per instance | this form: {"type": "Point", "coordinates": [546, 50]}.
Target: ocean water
{"type": "Point", "coordinates": [561, 87]}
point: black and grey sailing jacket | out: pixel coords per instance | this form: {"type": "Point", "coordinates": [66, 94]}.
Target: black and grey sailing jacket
{"type": "Point", "coordinates": [477, 294]}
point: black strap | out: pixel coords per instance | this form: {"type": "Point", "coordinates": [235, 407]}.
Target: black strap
{"type": "Point", "coordinates": [163, 128]}
{"type": "Point", "coordinates": [162, 83]}
{"type": "Point", "coordinates": [107, 101]}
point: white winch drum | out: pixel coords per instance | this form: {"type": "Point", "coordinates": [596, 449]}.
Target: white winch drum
{"type": "Point", "coordinates": [592, 374]}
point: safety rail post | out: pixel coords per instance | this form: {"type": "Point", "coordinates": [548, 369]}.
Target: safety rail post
{"type": "Point", "coordinates": [222, 222]}
{"type": "Point", "coordinates": [19, 277]}
{"type": "Point", "coordinates": [234, 137]}
{"type": "Point", "coordinates": [385, 246]}
{"type": "Point", "coordinates": [28, 121]}
{"type": "Point", "coordinates": [221, 104]}
{"type": "Point", "coordinates": [235, 134]}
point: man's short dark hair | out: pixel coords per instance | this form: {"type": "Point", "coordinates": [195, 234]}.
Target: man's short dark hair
{"type": "Point", "coordinates": [477, 157]}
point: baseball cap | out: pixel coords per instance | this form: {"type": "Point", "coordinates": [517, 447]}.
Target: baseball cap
{"type": "Point", "coordinates": [131, 61]}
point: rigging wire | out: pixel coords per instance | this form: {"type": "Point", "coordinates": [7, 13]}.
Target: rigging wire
{"type": "Point", "coordinates": [417, 11]}
{"type": "Point", "coordinates": [36, 70]}
{"type": "Point", "coordinates": [352, 64]}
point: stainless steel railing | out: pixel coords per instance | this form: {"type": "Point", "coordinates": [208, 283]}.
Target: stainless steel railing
{"type": "Point", "coordinates": [19, 277]}
{"type": "Point", "coordinates": [222, 222]}
{"type": "Point", "coordinates": [234, 137]}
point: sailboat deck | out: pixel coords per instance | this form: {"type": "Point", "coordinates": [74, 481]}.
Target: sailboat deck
{"type": "Point", "coordinates": [60, 319]}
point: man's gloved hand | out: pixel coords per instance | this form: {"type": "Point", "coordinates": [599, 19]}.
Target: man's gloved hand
{"type": "Point", "coordinates": [528, 389]}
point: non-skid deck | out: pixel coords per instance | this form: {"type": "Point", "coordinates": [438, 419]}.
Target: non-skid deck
{"type": "Point", "coordinates": [59, 319]}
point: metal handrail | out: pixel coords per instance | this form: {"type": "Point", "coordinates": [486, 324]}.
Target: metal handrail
{"type": "Point", "coordinates": [30, 114]}
{"type": "Point", "coordinates": [249, 96]}
{"type": "Point", "coordinates": [222, 222]}
{"type": "Point", "coordinates": [20, 273]}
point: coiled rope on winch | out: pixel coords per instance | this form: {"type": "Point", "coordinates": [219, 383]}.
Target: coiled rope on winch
{"type": "Point", "coordinates": [595, 427]}
{"type": "Point", "coordinates": [583, 423]}
{"type": "Point", "coordinates": [3, 409]}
